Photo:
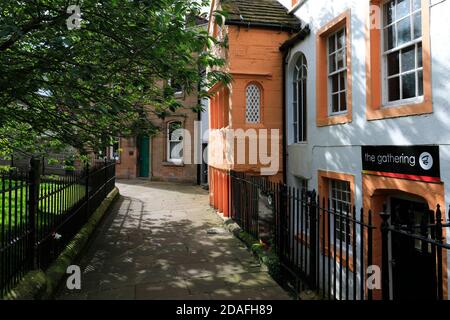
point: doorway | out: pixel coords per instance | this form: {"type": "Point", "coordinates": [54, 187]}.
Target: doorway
{"type": "Point", "coordinates": [144, 156]}
{"type": "Point", "coordinates": [413, 264]}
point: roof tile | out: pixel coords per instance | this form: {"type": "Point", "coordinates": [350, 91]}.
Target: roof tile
{"type": "Point", "coordinates": [269, 12]}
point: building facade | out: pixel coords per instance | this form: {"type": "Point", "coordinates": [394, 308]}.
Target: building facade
{"type": "Point", "coordinates": [367, 113]}
{"type": "Point", "coordinates": [252, 102]}
{"type": "Point", "coordinates": [153, 157]}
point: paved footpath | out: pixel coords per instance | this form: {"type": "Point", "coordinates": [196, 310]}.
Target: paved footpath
{"type": "Point", "coordinates": [154, 244]}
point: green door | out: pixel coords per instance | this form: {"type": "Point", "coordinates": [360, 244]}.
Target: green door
{"type": "Point", "coordinates": [144, 156]}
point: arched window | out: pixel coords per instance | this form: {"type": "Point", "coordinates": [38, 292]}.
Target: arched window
{"type": "Point", "coordinates": [175, 142]}
{"type": "Point", "coordinates": [299, 101]}
{"type": "Point", "coordinates": [253, 104]}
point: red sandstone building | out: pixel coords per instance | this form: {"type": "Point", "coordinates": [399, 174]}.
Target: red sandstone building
{"type": "Point", "coordinates": [254, 31]}
{"type": "Point", "coordinates": [149, 157]}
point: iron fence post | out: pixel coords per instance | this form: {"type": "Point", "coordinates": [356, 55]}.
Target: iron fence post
{"type": "Point", "coordinates": [34, 176]}
{"type": "Point", "coordinates": [439, 237]}
{"type": "Point", "coordinates": [282, 217]}
{"type": "Point", "coordinates": [313, 242]}
{"type": "Point", "coordinates": [370, 251]}
{"type": "Point", "coordinates": [87, 191]}
{"type": "Point", "coordinates": [385, 225]}
{"type": "Point", "coordinates": [105, 177]}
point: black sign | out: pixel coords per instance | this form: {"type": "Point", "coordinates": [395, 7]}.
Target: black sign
{"type": "Point", "coordinates": [408, 162]}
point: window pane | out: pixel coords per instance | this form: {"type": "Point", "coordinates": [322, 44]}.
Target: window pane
{"type": "Point", "coordinates": [335, 83]}
{"type": "Point", "coordinates": [417, 4]}
{"type": "Point", "coordinates": [304, 96]}
{"type": "Point", "coordinates": [408, 59]}
{"type": "Point", "coordinates": [304, 71]}
{"type": "Point", "coordinates": [295, 110]}
{"type": "Point", "coordinates": [402, 9]}
{"type": "Point", "coordinates": [341, 59]}
{"type": "Point", "coordinates": [420, 79]}
{"type": "Point", "coordinates": [295, 107]}
{"type": "Point", "coordinates": [295, 91]}
{"type": "Point", "coordinates": [341, 39]}
{"type": "Point", "coordinates": [335, 103]}
{"type": "Point", "coordinates": [393, 63]}
{"type": "Point", "coordinates": [299, 65]}
{"type": "Point", "coordinates": [174, 133]}
{"type": "Point", "coordinates": [389, 13]}
{"type": "Point", "coordinates": [409, 86]}
{"type": "Point", "coordinates": [389, 38]}
{"type": "Point", "coordinates": [404, 31]}
{"type": "Point", "coordinates": [300, 122]}
{"type": "Point", "coordinates": [253, 104]}
{"type": "Point", "coordinates": [331, 44]}
{"type": "Point", "coordinates": [417, 25]}
{"type": "Point", "coordinates": [176, 150]}
{"type": "Point", "coordinates": [342, 81]}
{"type": "Point", "coordinates": [304, 119]}
{"type": "Point", "coordinates": [343, 98]}
{"type": "Point", "coordinates": [394, 89]}
{"type": "Point", "coordinates": [332, 63]}
{"type": "Point", "coordinates": [419, 55]}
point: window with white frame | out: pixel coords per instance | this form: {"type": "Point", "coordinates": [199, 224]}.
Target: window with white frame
{"type": "Point", "coordinates": [402, 50]}
{"type": "Point", "coordinates": [299, 103]}
{"type": "Point", "coordinates": [175, 142]}
{"type": "Point", "coordinates": [340, 206]}
{"type": "Point", "coordinates": [337, 72]}
{"type": "Point", "coordinates": [253, 104]}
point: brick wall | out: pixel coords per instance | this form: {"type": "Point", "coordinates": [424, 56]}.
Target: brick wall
{"type": "Point", "coordinates": [161, 170]}
{"type": "Point", "coordinates": [126, 167]}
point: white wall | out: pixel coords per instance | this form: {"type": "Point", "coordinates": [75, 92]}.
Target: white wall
{"type": "Point", "coordinates": [337, 147]}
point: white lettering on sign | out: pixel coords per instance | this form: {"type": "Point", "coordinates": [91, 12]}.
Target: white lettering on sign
{"type": "Point", "coordinates": [391, 159]}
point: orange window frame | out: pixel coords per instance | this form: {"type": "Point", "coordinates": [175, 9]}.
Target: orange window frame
{"type": "Point", "coordinates": [324, 192]}
{"type": "Point", "coordinates": [323, 118]}
{"type": "Point", "coordinates": [374, 64]}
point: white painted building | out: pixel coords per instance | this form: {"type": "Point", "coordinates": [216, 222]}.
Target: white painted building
{"type": "Point", "coordinates": [373, 92]}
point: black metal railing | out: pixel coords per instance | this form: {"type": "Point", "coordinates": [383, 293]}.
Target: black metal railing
{"type": "Point", "coordinates": [40, 212]}
{"type": "Point", "coordinates": [330, 247]}
{"type": "Point", "coordinates": [414, 255]}
{"type": "Point", "coordinates": [323, 244]}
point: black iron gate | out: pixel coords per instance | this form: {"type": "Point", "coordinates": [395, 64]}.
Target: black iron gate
{"type": "Point", "coordinates": [414, 252]}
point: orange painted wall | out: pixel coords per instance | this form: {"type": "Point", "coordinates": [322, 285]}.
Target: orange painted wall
{"type": "Point", "coordinates": [253, 57]}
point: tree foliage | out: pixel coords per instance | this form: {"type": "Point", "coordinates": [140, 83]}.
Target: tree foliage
{"type": "Point", "coordinates": [85, 85]}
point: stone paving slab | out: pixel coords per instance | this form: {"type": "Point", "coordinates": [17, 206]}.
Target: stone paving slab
{"type": "Point", "coordinates": [155, 245]}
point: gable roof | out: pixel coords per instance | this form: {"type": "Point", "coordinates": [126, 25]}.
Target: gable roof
{"type": "Point", "coordinates": [260, 13]}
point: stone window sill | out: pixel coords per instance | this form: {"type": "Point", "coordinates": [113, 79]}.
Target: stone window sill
{"type": "Point", "coordinates": [172, 164]}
